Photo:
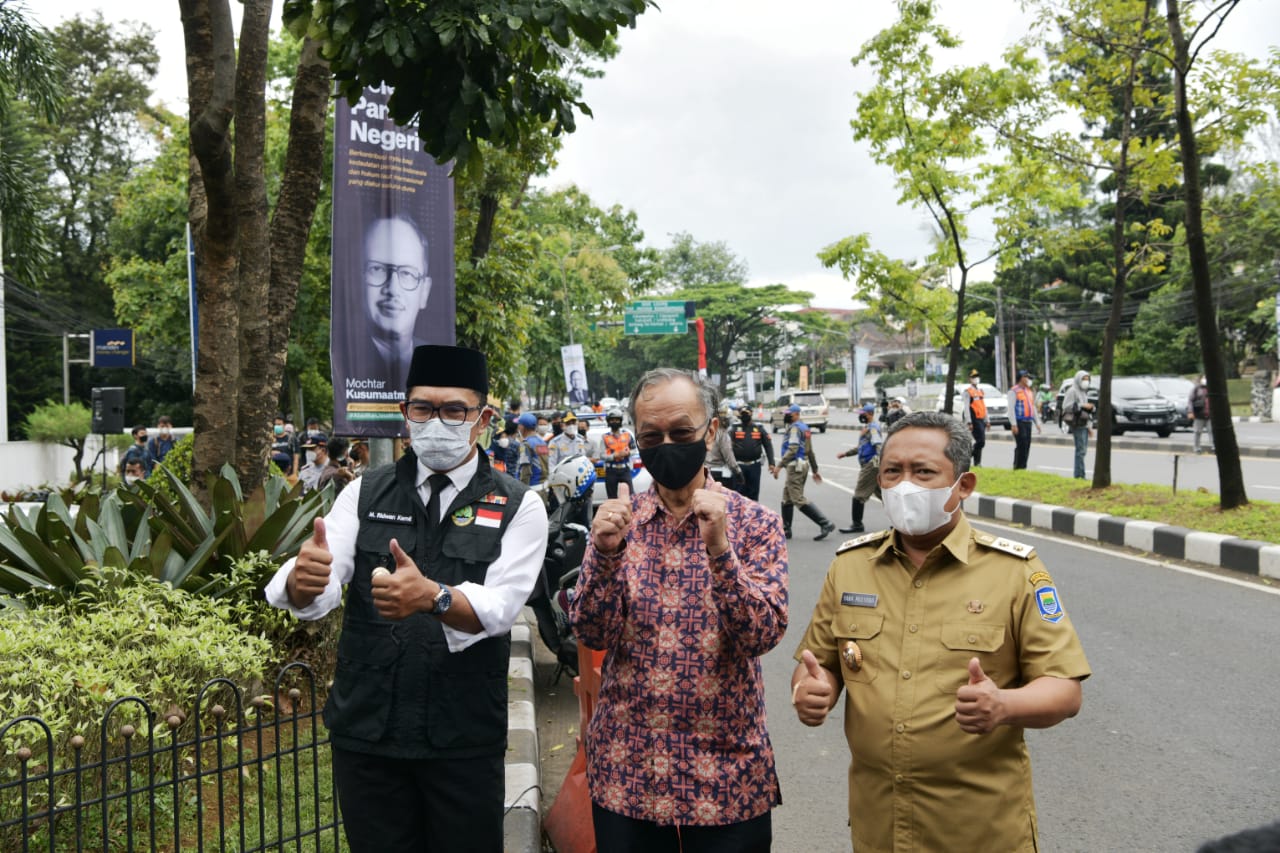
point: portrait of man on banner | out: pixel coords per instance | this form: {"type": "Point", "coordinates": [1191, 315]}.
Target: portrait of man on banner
{"type": "Point", "coordinates": [393, 276]}
{"type": "Point", "coordinates": [575, 375]}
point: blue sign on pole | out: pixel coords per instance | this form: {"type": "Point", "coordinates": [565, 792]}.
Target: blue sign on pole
{"type": "Point", "coordinates": [112, 348]}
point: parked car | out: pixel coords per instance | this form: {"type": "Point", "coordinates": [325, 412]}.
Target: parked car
{"type": "Point", "coordinates": [1137, 405]}
{"type": "Point", "coordinates": [997, 404]}
{"type": "Point", "coordinates": [1178, 390]}
{"type": "Point", "coordinates": [813, 409]}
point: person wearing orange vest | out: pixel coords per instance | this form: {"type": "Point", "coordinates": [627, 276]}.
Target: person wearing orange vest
{"type": "Point", "coordinates": [749, 440]}
{"type": "Point", "coordinates": [618, 446]}
{"type": "Point", "coordinates": [1022, 417]}
{"type": "Point", "coordinates": [974, 414]}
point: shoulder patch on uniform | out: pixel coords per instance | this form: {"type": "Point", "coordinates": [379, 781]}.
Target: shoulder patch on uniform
{"type": "Point", "coordinates": [999, 543]}
{"type": "Point", "coordinates": [864, 539]}
{"type": "Point", "coordinates": [1040, 577]}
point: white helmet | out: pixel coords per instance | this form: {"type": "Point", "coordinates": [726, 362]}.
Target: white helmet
{"type": "Point", "coordinates": [613, 413]}
{"type": "Point", "coordinates": [572, 478]}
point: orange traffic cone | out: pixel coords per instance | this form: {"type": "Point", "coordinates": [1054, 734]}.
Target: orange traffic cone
{"type": "Point", "coordinates": [568, 823]}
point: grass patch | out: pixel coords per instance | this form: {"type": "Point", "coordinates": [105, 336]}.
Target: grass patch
{"type": "Point", "coordinates": [1196, 510]}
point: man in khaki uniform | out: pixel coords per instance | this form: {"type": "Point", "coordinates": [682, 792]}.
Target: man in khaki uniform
{"type": "Point", "coordinates": [949, 642]}
{"type": "Point", "coordinates": [797, 458]}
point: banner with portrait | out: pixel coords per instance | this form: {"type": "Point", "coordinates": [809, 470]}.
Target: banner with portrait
{"type": "Point", "coordinates": [392, 280]}
{"type": "Point", "coordinates": [575, 375]}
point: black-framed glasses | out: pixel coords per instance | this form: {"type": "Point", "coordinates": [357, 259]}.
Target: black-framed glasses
{"type": "Point", "coordinates": [679, 435]}
{"type": "Point", "coordinates": [377, 274]}
{"type": "Point", "coordinates": [452, 414]}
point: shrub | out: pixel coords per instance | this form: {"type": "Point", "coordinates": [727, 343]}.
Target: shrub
{"type": "Point", "coordinates": [117, 636]}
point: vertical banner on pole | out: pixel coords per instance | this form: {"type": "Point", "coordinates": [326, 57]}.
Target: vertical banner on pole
{"type": "Point", "coordinates": [392, 284]}
{"type": "Point", "coordinates": [702, 347]}
{"type": "Point", "coordinates": [751, 386]}
{"type": "Point", "coordinates": [861, 357]}
{"type": "Point", "coordinates": [777, 382]}
{"type": "Point", "coordinates": [575, 374]}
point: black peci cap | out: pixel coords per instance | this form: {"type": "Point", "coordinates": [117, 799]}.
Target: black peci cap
{"type": "Point", "coordinates": [449, 367]}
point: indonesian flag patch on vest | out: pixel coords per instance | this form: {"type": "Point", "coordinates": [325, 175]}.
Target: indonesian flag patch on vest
{"type": "Point", "coordinates": [488, 517]}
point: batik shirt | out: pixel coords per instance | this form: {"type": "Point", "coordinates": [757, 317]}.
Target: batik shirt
{"type": "Point", "coordinates": [678, 735]}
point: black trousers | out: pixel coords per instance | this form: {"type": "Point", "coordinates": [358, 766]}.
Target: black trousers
{"type": "Point", "coordinates": [979, 439]}
{"type": "Point", "coordinates": [618, 834]}
{"type": "Point", "coordinates": [612, 477]}
{"type": "Point", "coordinates": [749, 487]}
{"type": "Point", "coordinates": [1022, 444]}
{"type": "Point", "coordinates": [395, 805]}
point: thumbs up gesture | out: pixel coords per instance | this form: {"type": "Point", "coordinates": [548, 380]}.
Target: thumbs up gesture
{"type": "Point", "coordinates": [980, 703]}
{"type": "Point", "coordinates": [311, 570]}
{"type": "Point", "coordinates": [399, 594]}
{"type": "Point", "coordinates": [813, 690]}
{"type": "Point", "coordinates": [612, 521]}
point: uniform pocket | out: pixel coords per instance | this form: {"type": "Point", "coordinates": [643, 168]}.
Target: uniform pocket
{"type": "Point", "coordinates": [962, 641]}
{"type": "Point", "coordinates": [360, 701]}
{"type": "Point", "coordinates": [863, 630]}
{"type": "Point", "coordinates": [467, 709]}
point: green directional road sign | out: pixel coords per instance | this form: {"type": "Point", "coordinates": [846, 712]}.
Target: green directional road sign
{"type": "Point", "coordinates": [655, 318]}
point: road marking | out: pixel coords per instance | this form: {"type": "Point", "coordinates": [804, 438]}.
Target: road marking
{"type": "Point", "coordinates": [1066, 539]}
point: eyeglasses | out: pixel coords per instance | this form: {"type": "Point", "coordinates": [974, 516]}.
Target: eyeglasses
{"type": "Point", "coordinates": [679, 435]}
{"type": "Point", "coordinates": [377, 274]}
{"type": "Point", "coordinates": [453, 414]}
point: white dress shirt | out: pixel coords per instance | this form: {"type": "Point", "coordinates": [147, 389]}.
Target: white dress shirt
{"type": "Point", "coordinates": [507, 582]}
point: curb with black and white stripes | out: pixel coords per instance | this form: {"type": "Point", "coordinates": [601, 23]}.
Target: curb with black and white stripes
{"type": "Point", "coordinates": [522, 825]}
{"type": "Point", "coordinates": [1214, 549]}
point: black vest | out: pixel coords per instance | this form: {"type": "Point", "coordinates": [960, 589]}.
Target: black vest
{"type": "Point", "coordinates": [398, 690]}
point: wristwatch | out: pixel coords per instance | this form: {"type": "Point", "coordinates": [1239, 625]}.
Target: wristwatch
{"type": "Point", "coordinates": [442, 602]}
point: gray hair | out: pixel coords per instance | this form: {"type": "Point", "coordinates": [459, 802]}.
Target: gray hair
{"type": "Point", "coordinates": [959, 442]}
{"type": "Point", "coordinates": [707, 393]}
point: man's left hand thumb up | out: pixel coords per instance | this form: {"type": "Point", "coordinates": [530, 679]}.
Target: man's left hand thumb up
{"type": "Point", "coordinates": [979, 703]}
{"type": "Point", "coordinates": [400, 594]}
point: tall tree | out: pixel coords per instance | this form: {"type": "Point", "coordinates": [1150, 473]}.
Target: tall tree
{"type": "Point", "coordinates": [29, 88]}
{"type": "Point", "coordinates": [489, 73]}
{"type": "Point", "coordinates": [1186, 49]}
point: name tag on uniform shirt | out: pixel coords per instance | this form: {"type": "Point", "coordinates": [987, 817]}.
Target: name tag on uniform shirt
{"type": "Point", "coordinates": [859, 599]}
{"type": "Point", "coordinates": [389, 517]}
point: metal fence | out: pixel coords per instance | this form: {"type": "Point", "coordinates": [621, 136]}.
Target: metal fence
{"type": "Point", "coordinates": [236, 775]}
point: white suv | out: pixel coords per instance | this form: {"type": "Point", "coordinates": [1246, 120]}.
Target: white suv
{"type": "Point", "coordinates": [813, 409]}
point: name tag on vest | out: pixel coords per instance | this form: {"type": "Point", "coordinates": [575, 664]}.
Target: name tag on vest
{"type": "Point", "coordinates": [389, 517]}
{"type": "Point", "coordinates": [859, 599]}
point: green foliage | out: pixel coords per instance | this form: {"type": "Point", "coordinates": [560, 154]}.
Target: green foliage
{"type": "Point", "coordinates": [493, 72]}
{"type": "Point", "coordinates": [179, 461]}
{"type": "Point", "coordinates": [118, 635]}
{"type": "Point", "coordinates": [173, 540]}
{"type": "Point", "coordinates": [58, 423]}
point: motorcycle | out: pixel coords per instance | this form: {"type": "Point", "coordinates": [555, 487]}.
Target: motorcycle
{"type": "Point", "coordinates": [570, 489]}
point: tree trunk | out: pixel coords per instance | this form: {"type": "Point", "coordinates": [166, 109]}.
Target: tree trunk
{"type": "Point", "coordinates": [1230, 477]}
{"type": "Point", "coordinates": [210, 48]}
{"type": "Point", "coordinates": [1102, 449]}
{"type": "Point", "coordinates": [248, 270]}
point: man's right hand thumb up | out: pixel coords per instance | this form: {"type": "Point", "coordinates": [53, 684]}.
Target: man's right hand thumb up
{"type": "Point", "coordinates": [311, 570]}
{"type": "Point", "coordinates": [812, 691]}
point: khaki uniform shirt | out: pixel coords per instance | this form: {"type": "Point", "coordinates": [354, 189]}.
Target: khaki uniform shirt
{"type": "Point", "coordinates": [916, 781]}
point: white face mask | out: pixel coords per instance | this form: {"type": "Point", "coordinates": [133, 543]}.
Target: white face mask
{"type": "Point", "coordinates": [439, 446]}
{"type": "Point", "coordinates": [129, 479]}
{"type": "Point", "coordinates": [915, 510]}
{"type": "Point", "coordinates": [504, 442]}
{"type": "Point", "coordinates": [571, 430]}
{"type": "Point", "coordinates": [973, 380]}
{"type": "Point", "coordinates": [543, 429]}
{"type": "Point", "coordinates": [1085, 383]}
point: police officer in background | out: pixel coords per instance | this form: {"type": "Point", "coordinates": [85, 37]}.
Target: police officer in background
{"type": "Point", "coordinates": [532, 469]}
{"type": "Point", "coordinates": [438, 554]}
{"type": "Point", "coordinates": [973, 411]}
{"type": "Point", "coordinates": [868, 453]}
{"type": "Point", "coordinates": [798, 458]}
{"type": "Point", "coordinates": [749, 440]}
{"type": "Point", "coordinates": [618, 445]}
{"type": "Point", "coordinates": [567, 443]}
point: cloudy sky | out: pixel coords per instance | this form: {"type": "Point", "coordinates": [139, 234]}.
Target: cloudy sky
{"type": "Point", "coordinates": [729, 119]}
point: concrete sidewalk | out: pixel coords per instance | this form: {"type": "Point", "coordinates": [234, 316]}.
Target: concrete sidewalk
{"type": "Point", "coordinates": [522, 825]}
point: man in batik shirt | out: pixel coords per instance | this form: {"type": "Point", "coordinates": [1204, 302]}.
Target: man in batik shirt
{"type": "Point", "coordinates": [684, 587]}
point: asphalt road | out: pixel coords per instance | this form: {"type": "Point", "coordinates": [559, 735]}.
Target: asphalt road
{"type": "Point", "coordinates": [1175, 743]}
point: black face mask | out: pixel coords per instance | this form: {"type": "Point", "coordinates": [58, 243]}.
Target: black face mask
{"type": "Point", "coordinates": [674, 466]}
{"type": "Point", "coordinates": [746, 419]}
